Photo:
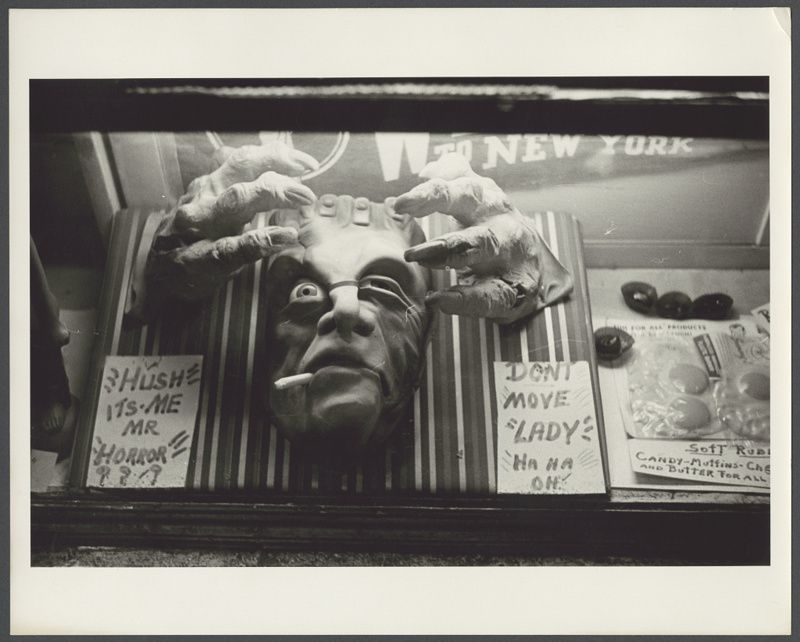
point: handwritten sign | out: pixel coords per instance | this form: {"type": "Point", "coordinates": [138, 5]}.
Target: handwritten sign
{"type": "Point", "coordinates": [145, 421]}
{"type": "Point", "coordinates": [717, 461]}
{"type": "Point", "coordinates": [547, 440]}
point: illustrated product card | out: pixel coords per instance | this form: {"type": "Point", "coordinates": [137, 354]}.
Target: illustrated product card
{"type": "Point", "coordinates": [145, 421]}
{"type": "Point", "coordinates": [547, 435]}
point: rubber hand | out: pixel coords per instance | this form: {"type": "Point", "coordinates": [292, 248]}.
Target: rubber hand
{"type": "Point", "coordinates": [203, 243]}
{"type": "Point", "coordinates": [505, 269]}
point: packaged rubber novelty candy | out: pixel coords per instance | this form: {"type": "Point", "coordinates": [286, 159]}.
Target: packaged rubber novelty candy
{"type": "Point", "coordinates": [706, 386]}
{"type": "Point", "coordinates": [670, 391]}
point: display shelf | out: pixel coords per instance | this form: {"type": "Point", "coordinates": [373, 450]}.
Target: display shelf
{"type": "Point", "coordinates": [732, 534]}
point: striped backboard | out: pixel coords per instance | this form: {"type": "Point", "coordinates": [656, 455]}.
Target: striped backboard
{"type": "Point", "coordinates": [446, 447]}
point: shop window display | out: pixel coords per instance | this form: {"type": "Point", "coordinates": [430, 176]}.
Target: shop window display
{"type": "Point", "coordinates": [353, 298]}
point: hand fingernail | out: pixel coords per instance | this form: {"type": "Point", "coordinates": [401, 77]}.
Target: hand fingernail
{"type": "Point", "coordinates": [305, 161]}
{"type": "Point", "coordinates": [431, 298]}
{"type": "Point", "coordinates": [298, 169]}
{"type": "Point", "coordinates": [300, 198]}
{"type": "Point", "coordinates": [436, 297]}
{"type": "Point", "coordinates": [407, 205]}
{"type": "Point", "coordinates": [400, 204]}
{"type": "Point", "coordinates": [431, 251]}
{"type": "Point", "coordinates": [281, 236]}
{"type": "Point", "coordinates": [446, 301]}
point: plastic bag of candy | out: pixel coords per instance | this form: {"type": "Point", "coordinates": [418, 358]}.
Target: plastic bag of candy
{"type": "Point", "coordinates": [707, 387]}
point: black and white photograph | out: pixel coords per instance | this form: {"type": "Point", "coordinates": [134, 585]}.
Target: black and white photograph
{"type": "Point", "coordinates": [442, 319]}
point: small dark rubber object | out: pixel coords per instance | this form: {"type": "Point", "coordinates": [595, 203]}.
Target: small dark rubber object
{"type": "Point", "coordinates": [674, 305]}
{"type": "Point", "coordinates": [639, 296]}
{"type": "Point", "coordinates": [611, 343]}
{"type": "Point", "coordinates": [714, 307]}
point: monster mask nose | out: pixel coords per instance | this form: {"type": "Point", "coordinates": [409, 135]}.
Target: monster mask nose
{"type": "Point", "coordinates": [347, 315]}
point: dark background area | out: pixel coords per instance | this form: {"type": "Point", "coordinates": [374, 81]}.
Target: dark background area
{"type": "Point", "coordinates": [62, 224]}
{"type": "Point", "coordinates": [75, 105]}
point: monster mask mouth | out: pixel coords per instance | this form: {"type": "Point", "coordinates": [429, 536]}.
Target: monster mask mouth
{"type": "Point", "coordinates": [343, 401]}
{"type": "Point", "coordinates": [332, 363]}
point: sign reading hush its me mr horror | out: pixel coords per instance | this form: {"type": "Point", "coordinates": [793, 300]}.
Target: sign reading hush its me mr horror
{"type": "Point", "coordinates": [547, 433]}
{"type": "Point", "coordinates": [145, 421]}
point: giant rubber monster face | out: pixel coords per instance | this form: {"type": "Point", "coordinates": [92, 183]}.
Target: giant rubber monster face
{"type": "Point", "coordinates": [346, 308]}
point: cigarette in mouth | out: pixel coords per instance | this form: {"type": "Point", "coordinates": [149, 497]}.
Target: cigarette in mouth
{"type": "Point", "coordinates": [292, 381]}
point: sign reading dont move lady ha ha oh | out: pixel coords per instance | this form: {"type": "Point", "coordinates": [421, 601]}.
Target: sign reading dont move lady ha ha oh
{"type": "Point", "coordinates": [145, 421]}
{"type": "Point", "coordinates": [547, 433]}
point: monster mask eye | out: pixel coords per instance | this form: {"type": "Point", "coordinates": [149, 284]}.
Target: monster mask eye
{"type": "Point", "coordinates": [306, 301]}
{"type": "Point", "coordinates": [306, 292]}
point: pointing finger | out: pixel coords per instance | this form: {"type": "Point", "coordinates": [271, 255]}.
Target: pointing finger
{"type": "Point", "coordinates": [491, 298]}
{"type": "Point", "coordinates": [458, 249]}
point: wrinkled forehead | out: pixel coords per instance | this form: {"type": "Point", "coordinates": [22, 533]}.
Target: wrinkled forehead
{"type": "Point", "coordinates": [344, 238]}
